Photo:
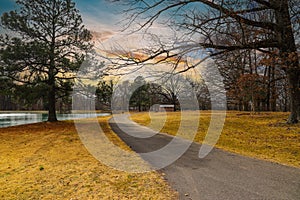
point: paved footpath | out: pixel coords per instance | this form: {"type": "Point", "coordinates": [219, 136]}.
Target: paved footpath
{"type": "Point", "coordinates": [220, 175]}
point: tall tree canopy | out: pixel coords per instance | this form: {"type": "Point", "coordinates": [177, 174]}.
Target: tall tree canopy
{"type": "Point", "coordinates": [223, 26]}
{"type": "Point", "coordinates": [46, 45]}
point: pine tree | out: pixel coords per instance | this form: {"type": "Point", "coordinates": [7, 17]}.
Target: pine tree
{"type": "Point", "coordinates": [47, 45]}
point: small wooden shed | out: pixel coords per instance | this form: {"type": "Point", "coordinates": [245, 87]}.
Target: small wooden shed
{"type": "Point", "coordinates": [167, 108]}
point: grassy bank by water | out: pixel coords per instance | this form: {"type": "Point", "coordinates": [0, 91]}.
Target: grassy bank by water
{"type": "Point", "coordinates": [263, 135]}
{"type": "Point", "coordinates": [48, 161]}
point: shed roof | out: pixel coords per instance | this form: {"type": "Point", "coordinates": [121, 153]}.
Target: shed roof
{"type": "Point", "coordinates": [166, 106]}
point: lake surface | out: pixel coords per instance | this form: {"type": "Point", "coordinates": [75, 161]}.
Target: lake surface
{"type": "Point", "coordinates": [13, 119]}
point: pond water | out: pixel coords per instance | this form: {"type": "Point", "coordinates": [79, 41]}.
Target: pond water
{"type": "Point", "coordinates": [13, 119]}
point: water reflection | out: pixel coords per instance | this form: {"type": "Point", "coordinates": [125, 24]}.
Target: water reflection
{"type": "Point", "coordinates": [13, 119]}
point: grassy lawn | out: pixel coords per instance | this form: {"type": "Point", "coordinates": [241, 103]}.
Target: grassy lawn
{"type": "Point", "coordinates": [263, 135]}
{"type": "Point", "coordinates": [48, 161]}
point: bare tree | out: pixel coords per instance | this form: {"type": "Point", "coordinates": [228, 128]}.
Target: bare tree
{"type": "Point", "coordinates": [202, 22]}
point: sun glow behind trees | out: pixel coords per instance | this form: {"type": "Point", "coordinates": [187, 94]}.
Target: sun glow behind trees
{"type": "Point", "coordinates": [184, 35]}
{"type": "Point", "coordinates": [228, 26]}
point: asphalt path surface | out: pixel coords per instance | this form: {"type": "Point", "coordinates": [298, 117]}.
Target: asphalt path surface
{"type": "Point", "coordinates": [220, 175]}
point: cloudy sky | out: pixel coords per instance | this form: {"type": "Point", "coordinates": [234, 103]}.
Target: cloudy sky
{"type": "Point", "coordinates": [104, 20]}
{"type": "Point", "coordinates": [98, 15]}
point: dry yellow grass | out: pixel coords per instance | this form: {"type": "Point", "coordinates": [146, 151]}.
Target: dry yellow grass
{"type": "Point", "coordinates": [262, 135]}
{"type": "Point", "coordinates": [48, 161]}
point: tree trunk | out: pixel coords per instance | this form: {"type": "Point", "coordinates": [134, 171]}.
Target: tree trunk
{"type": "Point", "coordinates": [294, 93]}
{"type": "Point", "coordinates": [52, 101]}
{"type": "Point", "coordinates": [288, 55]}
{"type": "Point", "coordinates": [51, 73]}
{"type": "Point", "coordinates": [174, 100]}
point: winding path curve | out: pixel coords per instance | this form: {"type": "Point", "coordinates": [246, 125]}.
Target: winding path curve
{"type": "Point", "coordinates": [220, 175]}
